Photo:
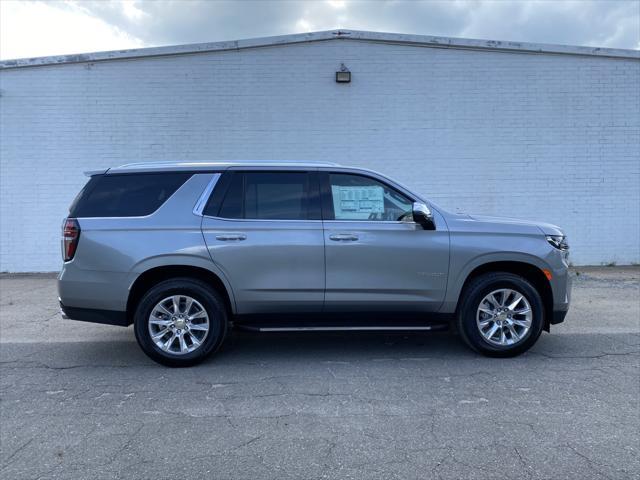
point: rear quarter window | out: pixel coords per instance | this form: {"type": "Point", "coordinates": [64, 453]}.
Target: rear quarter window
{"type": "Point", "coordinates": [128, 195]}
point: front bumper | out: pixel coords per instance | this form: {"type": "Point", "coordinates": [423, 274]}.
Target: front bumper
{"type": "Point", "coordinates": [558, 316]}
{"type": "Point", "coordinates": [561, 286]}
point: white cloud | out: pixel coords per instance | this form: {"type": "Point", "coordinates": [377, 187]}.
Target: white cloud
{"type": "Point", "coordinates": [132, 11]}
{"type": "Point", "coordinates": [608, 23]}
{"type": "Point", "coordinates": [337, 4]}
{"type": "Point", "coordinates": [34, 29]}
{"type": "Point", "coordinates": [303, 25]}
{"type": "Point", "coordinates": [38, 28]}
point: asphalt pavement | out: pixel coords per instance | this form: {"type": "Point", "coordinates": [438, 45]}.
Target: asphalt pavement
{"type": "Point", "coordinates": [82, 401]}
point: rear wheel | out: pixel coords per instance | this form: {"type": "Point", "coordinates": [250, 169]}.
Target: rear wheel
{"type": "Point", "coordinates": [179, 322]}
{"type": "Point", "coordinates": [501, 315]}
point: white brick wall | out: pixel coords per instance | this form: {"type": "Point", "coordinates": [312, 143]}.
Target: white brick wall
{"type": "Point", "coordinates": [547, 137]}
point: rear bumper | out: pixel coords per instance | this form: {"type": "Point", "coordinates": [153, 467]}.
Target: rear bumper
{"type": "Point", "coordinates": [92, 289]}
{"type": "Point", "coordinates": [107, 317]}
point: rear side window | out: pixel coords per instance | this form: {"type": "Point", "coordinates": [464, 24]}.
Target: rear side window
{"type": "Point", "coordinates": [130, 195]}
{"type": "Point", "coordinates": [271, 196]}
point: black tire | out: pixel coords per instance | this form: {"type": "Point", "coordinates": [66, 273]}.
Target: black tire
{"type": "Point", "coordinates": [196, 289]}
{"type": "Point", "coordinates": [473, 295]}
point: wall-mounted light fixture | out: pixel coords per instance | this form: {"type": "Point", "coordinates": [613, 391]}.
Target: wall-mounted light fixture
{"type": "Point", "coordinates": [343, 75]}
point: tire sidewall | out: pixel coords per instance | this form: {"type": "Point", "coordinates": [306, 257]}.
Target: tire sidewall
{"type": "Point", "coordinates": [468, 324]}
{"type": "Point", "coordinates": [208, 299]}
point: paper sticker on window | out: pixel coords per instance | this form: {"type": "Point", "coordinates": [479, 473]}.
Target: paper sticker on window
{"type": "Point", "coordinates": [357, 203]}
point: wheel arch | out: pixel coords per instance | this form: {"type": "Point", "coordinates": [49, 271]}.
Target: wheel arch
{"type": "Point", "coordinates": [153, 275]}
{"type": "Point", "coordinates": [528, 271]}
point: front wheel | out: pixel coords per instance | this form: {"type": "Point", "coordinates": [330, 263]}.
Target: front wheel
{"type": "Point", "coordinates": [501, 315]}
{"type": "Point", "coordinates": [179, 322]}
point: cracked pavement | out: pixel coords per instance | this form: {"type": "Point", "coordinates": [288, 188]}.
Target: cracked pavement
{"type": "Point", "coordinates": [82, 401]}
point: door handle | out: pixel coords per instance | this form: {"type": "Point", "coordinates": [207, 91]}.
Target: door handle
{"type": "Point", "coordinates": [343, 237]}
{"type": "Point", "coordinates": [229, 237]}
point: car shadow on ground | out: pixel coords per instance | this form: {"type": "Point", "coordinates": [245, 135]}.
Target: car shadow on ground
{"type": "Point", "coordinates": [354, 345]}
{"type": "Point", "coordinates": [245, 348]}
{"type": "Point", "coordinates": [367, 346]}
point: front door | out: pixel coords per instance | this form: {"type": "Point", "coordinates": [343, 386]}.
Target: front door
{"type": "Point", "coordinates": [266, 236]}
{"type": "Point", "coordinates": [377, 257]}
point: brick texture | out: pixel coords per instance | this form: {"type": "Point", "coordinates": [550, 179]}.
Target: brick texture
{"type": "Point", "coordinates": [543, 137]}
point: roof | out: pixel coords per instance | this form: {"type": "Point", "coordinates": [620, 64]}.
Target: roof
{"type": "Point", "coordinates": [329, 35]}
{"type": "Point", "coordinates": [205, 166]}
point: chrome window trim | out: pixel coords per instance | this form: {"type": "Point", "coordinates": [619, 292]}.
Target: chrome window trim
{"type": "Point", "coordinates": [224, 219]}
{"type": "Point", "coordinates": [374, 222]}
{"type": "Point", "coordinates": [371, 222]}
{"type": "Point", "coordinates": [198, 209]}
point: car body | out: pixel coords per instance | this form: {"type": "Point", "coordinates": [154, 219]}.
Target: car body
{"type": "Point", "coordinates": [299, 246]}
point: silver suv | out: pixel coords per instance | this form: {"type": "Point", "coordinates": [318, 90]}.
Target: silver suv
{"type": "Point", "coordinates": [186, 250]}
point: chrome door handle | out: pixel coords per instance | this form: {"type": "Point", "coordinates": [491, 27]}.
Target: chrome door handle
{"type": "Point", "coordinates": [229, 237]}
{"type": "Point", "coordinates": [343, 237]}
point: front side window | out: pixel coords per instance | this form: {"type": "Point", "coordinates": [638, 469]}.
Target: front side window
{"type": "Point", "coordinates": [269, 196]}
{"type": "Point", "coordinates": [355, 197]}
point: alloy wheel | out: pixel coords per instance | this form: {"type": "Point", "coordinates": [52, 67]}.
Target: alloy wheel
{"type": "Point", "coordinates": [504, 317]}
{"type": "Point", "coordinates": [178, 324]}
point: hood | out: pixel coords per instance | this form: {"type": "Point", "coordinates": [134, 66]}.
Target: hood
{"type": "Point", "coordinates": [516, 223]}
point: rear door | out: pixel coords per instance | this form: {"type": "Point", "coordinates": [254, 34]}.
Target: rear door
{"type": "Point", "coordinates": [377, 257]}
{"type": "Point", "coordinates": [263, 229]}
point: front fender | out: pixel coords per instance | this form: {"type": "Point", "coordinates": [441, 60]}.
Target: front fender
{"type": "Point", "coordinates": [462, 267]}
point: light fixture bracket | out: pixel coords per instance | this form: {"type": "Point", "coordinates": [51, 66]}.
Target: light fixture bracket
{"type": "Point", "coordinates": [343, 75]}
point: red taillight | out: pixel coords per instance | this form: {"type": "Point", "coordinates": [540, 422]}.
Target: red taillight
{"type": "Point", "coordinates": [70, 237]}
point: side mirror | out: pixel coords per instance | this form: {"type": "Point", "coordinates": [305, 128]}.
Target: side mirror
{"type": "Point", "coordinates": [422, 215]}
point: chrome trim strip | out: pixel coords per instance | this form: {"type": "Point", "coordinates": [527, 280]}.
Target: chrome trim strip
{"type": "Point", "coordinates": [340, 329]}
{"type": "Point", "coordinates": [223, 219]}
{"type": "Point", "coordinates": [204, 198]}
{"type": "Point", "coordinates": [364, 222]}
{"type": "Point", "coordinates": [373, 222]}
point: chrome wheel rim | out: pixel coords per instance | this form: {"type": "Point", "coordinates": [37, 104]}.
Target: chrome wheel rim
{"type": "Point", "coordinates": [504, 317]}
{"type": "Point", "coordinates": [178, 324]}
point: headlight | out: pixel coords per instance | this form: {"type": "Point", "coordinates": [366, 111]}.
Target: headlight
{"type": "Point", "coordinates": [558, 241]}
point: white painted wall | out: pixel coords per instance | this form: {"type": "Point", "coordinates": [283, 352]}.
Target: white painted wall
{"type": "Point", "coordinates": [547, 137]}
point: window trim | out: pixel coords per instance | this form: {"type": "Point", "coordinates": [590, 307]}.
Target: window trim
{"type": "Point", "coordinates": [314, 195]}
{"type": "Point", "coordinates": [327, 199]}
{"type": "Point", "coordinates": [203, 200]}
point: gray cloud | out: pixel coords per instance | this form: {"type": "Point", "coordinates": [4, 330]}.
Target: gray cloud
{"type": "Point", "coordinates": [610, 23]}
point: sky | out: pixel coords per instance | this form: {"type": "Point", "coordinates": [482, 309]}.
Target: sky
{"type": "Point", "coordinates": [42, 28]}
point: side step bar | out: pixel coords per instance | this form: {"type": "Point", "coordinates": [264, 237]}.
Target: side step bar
{"type": "Point", "coordinates": [340, 328]}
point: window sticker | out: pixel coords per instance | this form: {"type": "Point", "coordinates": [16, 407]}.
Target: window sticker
{"type": "Point", "coordinates": [357, 203]}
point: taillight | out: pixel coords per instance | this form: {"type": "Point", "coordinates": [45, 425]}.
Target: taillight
{"type": "Point", "coordinates": [70, 237]}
